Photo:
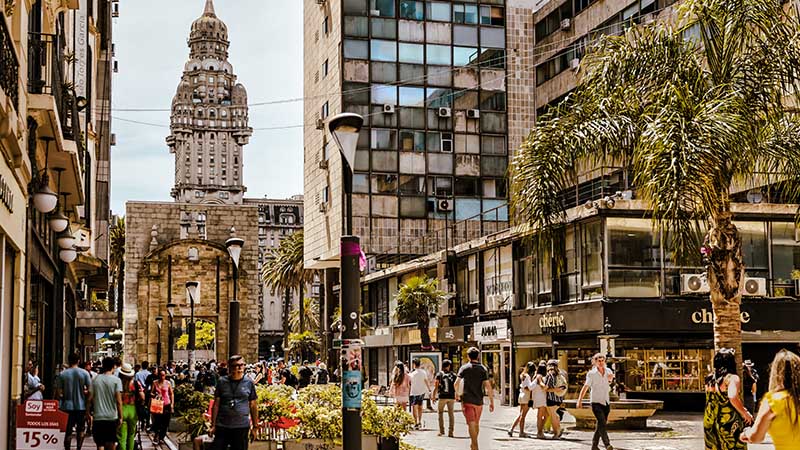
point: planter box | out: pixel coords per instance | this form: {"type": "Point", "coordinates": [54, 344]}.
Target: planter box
{"type": "Point", "coordinates": [367, 443]}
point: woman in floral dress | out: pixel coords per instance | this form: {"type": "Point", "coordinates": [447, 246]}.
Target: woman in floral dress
{"type": "Point", "coordinates": [725, 415]}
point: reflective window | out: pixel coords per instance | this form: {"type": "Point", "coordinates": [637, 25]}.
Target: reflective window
{"type": "Point", "coordinates": [384, 184]}
{"type": "Point", "coordinates": [633, 244]}
{"type": "Point", "coordinates": [383, 139]}
{"type": "Point", "coordinates": [384, 95]}
{"type": "Point", "coordinates": [465, 99]}
{"type": "Point", "coordinates": [493, 145]}
{"type": "Point", "coordinates": [492, 57]}
{"type": "Point", "coordinates": [355, 93]}
{"type": "Point", "coordinates": [411, 10]}
{"type": "Point", "coordinates": [785, 252]}
{"type": "Point", "coordinates": [412, 185]}
{"type": "Point", "coordinates": [412, 140]}
{"type": "Point", "coordinates": [465, 35]}
{"type": "Point", "coordinates": [438, 54]}
{"type": "Point", "coordinates": [493, 37]}
{"type": "Point", "coordinates": [356, 26]}
{"type": "Point", "coordinates": [492, 15]}
{"type": "Point", "coordinates": [493, 166]}
{"type": "Point", "coordinates": [361, 183]}
{"type": "Point", "coordinates": [384, 161]}
{"type": "Point", "coordinates": [355, 49]}
{"type": "Point", "coordinates": [754, 247]}
{"type": "Point", "coordinates": [440, 163]}
{"type": "Point", "coordinates": [465, 13]}
{"type": "Point", "coordinates": [385, 28]}
{"type": "Point", "coordinates": [439, 11]}
{"type": "Point", "coordinates": [383, 8]}
{"type": "Point", "coordinates": [493, 100]}
{"type": "Point", "coordinates": [464, 56]}
{"type": "Point", "coordinates": [355, 7]}
{"type": "Point", "coordinates": [439, 98]}
{"type": "Point", "coordinates": [412, 53]}
{"type": "Point", "coordinates": [415, 207]}
{"type": "Point", "coordinates": [412, 96]}
{"type": "Point", "coordinates": [383, 50]}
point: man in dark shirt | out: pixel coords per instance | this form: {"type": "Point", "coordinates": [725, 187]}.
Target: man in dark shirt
{"type": "Point", "coordinates": [286, 375]}
{"type": "Point", "coordinates": [305, 375]}
{"type": "Point", "coordinates": [234, 407]}
{"type": "Point", "coordinates": [473, 383]}
{"type": "Point", "coordinates": [444, 393]}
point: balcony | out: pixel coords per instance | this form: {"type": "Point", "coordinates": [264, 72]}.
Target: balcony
{"type": "Point", "coordinates": [9, 66]}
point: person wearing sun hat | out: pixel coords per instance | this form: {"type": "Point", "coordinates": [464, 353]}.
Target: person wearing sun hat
{"type": "Point", "coordinates": [132, 394]}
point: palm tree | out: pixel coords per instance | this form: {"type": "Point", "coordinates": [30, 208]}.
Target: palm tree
{"type": "Point", "coordinates": [310, 318]}
{"type": "Point", "coordinates": [693, 108]}
{"type": "Point", "coordinates": [116, 263]}
{"type": "Point", "coordinates": [303, 344]}
{"type": "Point", "coordinates": [284, 271]}
{"type": "Point", "coordinates": [418, 301]}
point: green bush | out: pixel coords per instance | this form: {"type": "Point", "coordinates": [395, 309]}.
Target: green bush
{"type": "Point", "coordinates": [189, 408]}
{"type": "Point", "coordinates": [274, 402]}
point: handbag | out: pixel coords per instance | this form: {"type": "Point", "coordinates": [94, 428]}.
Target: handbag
{"type": "Point", "coordinates": [157, 406]}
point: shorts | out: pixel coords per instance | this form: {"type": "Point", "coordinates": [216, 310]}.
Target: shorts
{"type": "Point", "coordinates": [77, 420]}
{"type": "Point", "coordinates": [104, 431]}
{"type": "Point", "coordinates": [552, 403]}
{"type": "Point", "coordinates": [472, 412]}
{"type": "Point", "coordinates": [416, 399]}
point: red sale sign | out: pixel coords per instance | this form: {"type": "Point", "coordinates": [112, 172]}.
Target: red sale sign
{"type": "Point", "coordinates": [40, 425]}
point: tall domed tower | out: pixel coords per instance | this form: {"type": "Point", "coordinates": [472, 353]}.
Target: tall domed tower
{"type": "Point", "coordinates": [209, 119]}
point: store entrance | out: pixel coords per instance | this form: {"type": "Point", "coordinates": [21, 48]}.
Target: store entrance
{"type": "Point", "coordinates": [497, 360]}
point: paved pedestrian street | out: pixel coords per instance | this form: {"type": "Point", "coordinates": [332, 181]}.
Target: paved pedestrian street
{"type": "Point", "coordinates": [666, 431]}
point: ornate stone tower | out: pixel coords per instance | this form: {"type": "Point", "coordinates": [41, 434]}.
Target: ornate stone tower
{"type": "Point", "coordinates": [209, 119]}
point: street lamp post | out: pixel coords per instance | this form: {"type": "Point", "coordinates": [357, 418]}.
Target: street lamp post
{"type": "Point", "coordinates": [159, 322]}
{"type": "Point", "coordinates": [170, 337]}
{"type": "Point", "coordinates": [234, 246]}
{"type": "Point", "coordinates": [345, 128]}
{"type": "Point", "coordinates": [272, 351]}
{"type": "Point", "coordinates": [191, 293]}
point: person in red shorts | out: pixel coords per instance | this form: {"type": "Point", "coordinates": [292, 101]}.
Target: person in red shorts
{"type": "Point", "coordinates": [472, 385]}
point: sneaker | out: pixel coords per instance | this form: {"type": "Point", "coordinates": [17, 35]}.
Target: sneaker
{"type": "Point", "coordinates": [450, 435]}
{"type": "Point", "coordinates": [510, 433]}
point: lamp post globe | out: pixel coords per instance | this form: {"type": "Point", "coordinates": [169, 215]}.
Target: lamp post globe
{"type": "Point", "coordinates": [45, 200]}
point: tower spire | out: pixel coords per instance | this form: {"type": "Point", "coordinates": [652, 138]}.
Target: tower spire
{"type": "Point", "coordinates": [209, 10]}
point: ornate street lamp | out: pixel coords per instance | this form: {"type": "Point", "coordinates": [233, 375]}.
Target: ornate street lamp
{"type": "Point", "coordinates": [45, 200]}
{"type": "Point", "coordinates": [234, 246]}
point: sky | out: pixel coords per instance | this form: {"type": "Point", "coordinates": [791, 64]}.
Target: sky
{"type": "Point", "coordinates": [267, 56]}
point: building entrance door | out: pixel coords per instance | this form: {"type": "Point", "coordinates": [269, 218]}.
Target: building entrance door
{"type": "Point", "coordinates": [498, 363]}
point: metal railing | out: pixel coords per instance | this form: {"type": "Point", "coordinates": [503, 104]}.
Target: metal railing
{"type": "Point", "coordinates": [46, 73]}
{"type": "Point", "coordinates": [9, 66]}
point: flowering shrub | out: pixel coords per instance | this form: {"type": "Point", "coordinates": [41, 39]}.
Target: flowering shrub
{"type": "Point", "coordinates": [274, 402]}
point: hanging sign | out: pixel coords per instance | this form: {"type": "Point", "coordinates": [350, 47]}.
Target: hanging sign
{"type": "Point", "coordinates": [491, 331]}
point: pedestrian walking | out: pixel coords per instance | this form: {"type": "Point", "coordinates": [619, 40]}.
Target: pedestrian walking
{"type": "Point", "coordinates": [142, 376]}
{"type": "Point", "coordinates": [305, 373]}
{"type": "Point", "coordinates": [471, 386]}
{"type": "Point", "coordinates": [779, 414]}
{"type": "Point", "coordinates": [132, 395]}
{"type": "Point", "coordinates": [539, 397]}
{"type": "Point", "coordinates": [285, 374]}
{"type": "Point", "coordinates": [73, 392]}
{"type": "Point", "coordinates": [162, 391]}
{"type": "Point", "coordinates": [420, 387]}
{"type": "Point", "coordinates": [106, 401]}
{"type": "Point", "coordinates": [400, 389]}
{"type": "Point", "coordinates": [33, 384]}
{"type": "Point", "coordinates": [444, 395]}
{"type": "Point", "coordinates": [525, 400]}
{"type": "Point", "coordinates": [235, 411]}
{"type": "Point", "coordinates": [749, 385]}
{"type": "Point", "coordinates": [556, 388]}
{"type": "Point", "coordinates": [725, 415]}
{"type": "Point", "coordinates": [598, 383]}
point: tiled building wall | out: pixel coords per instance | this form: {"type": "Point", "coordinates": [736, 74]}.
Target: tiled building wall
{"type": "Point", "coordinates": [521, 79]}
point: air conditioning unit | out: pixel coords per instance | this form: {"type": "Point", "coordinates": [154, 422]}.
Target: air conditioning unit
{"type": "Point", "coordinates": [323, 164]}
{"type": "Point", "coordinates": [388, 109]}
{"type": "Point", "coordinates": [444, 205]}
{"type": "Point", "coordinates": [566, 24]}
{"type": "Point", "coordinates": [575, 63]}
{"type": "Point", "coordinates": [754, 287]}
{"type": "Point", "coordinates": [323, 207]}
{"type": "Point", "coordinates": [694, 283]}
{"type": "Point", "coordinates": [320, 124]}
{"type": "Point", "coordinates": [444, 112]}
{"type": "Point", "coordinates": [473, 113]}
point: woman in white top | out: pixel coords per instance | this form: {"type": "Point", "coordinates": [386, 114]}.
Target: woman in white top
{"type": "Point", "coordinates": [525, 400]}
{"type": "Point", "coordinates": [33, 384]}
{"type": "Point", "coordinates": [539, 398]}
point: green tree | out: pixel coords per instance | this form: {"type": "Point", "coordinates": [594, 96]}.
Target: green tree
{"type": "Point", "coordinates": [205, 335]}
{"type": "Point", "coordinates": [693, 108]}
{"type": "Point", "coordinates": [116, 260]}
{"type": "Point", "coordinates": [310, 317]}
{"type": "Point", "coordinates": [418, 300]}
{"type": "Point", "coordinates": [303, 344]}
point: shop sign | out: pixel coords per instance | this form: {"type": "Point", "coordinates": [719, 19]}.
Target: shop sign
{"type": "Point", "coordinates": [705, 315]}
{"type": "Point", "coordinates": [451, 334]}
{"type": "Point", "coordinates": [6, 195]}
{"type": "Point", "coordinates": [40, 425]}
{"type": "Point", "coordinates": [552, 323]}
{"type": "Point", "coordinates": [491, 331]}
{"type": "Point", "coordinates": [414, 336]}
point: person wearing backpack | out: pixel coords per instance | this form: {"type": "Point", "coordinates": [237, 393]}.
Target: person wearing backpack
{"type": "Point", "coordinates": [556, 388]}
{"type": "Point", "coordinates": [444, 395]}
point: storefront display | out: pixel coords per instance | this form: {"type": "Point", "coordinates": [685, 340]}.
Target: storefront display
{"type": "Point", "coordinates": [666, 369]}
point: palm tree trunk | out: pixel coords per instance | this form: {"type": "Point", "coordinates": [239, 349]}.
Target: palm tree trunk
{"type": "Point", "coordinates": [424, 334]}
{"type": "Point", "coordinates": [302, 308]}
{"type": "Point", "coordinates": [286, 304]}
{"type": "Point", "coordinates": [725, 275]}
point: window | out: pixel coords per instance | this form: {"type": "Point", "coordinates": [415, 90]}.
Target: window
{"type": "Point", "coordinates": [492, 15]}
{"type": "Point", "coordinates": [493, 100]}
{"type": "Point", "coordinates": [326, 194]}
{"type": "Point", "coordinates": [438, 98]}
{"type": "Point", "coordinates": [358, 7]}
{"type": "Point", "coordinates": [412, 96]}
{"type": "Point", "coordinates": [325, 69]}
{"type": "Point", "coordinates": [325, 111]}
{"type": "Point", "coordinates": [356, 26]}
{"type": "Point", "coordinates": [493, 145]}
{"type": "Point", "coordinates": [438, 54]}
{"type": "Point", "coordinates": [412, 140]}
{"type": "Point", "coordinates": [634, 258]}
{"type": "Point", "coordinates": [438, 11]}
{"type": "Point", "coordinates": [464, 56]}
{"type": "Point", "coordinates": [447, 142]}
{"type": "Point", "coordinates": [465, 13]}
{"type": "Point", "coordinates": [199, 194]}
{"type": "Point", "coordinates": [466, 187]}
{"type": "Point", "coordinates": [411, 10]}
{"type": "Point", "coordinates": [580, 5]}
{"type": "Point", "coordinates": [493, 58]}
{"type": "Point", "coordinates": [495, 188]}
{"type": "Point", "coordinates": [441, 186]}
{"type": "Point", "coordinates": [361, 183]}
{"type": "Point", "coordinates": [383, 139]}
{"type": "Point", "coordinates": [384, 94]}
{"type": "Point", "coordinates": [414, 207]}
{"type": "Point", "coordinates": [464, 35]}
{"type": "Point", "coordinates": [754, 248]}
{"type": "Point", "coordinates": [412, 185]}
{"type": "Point", "coordinates": [224, 194]}
{"type": "Point", "coordinates": [493, 166]}
{"type": "Point", "coordinates": [493, 37]}
{"type": "Point", "coordinates": [325, 25]}
{"type": "Point", "coordinates": [383, 50]}
{"type": "Point", "coordinates": [785, 251]}
{"type": "Point", "coordinates": [384, 28]}
{"type": "Point", "coordinates": [356, 49]}
{"type": "Point", "coordinates": [411, 53]}
{"type": "Point", "coordinates": [384, 184]}
{"type": "Point", "coordinates": [382, 8]}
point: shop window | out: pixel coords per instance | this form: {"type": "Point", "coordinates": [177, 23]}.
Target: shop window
{"type": "Point", "coordinates": [466, 187]}
{"type": "Point", "coordinates": [384, 28]}
{"type": "Point", "coordinates": [383, 139]}
{"type": "Point", "coordinates": [358, 7]}
{"type": "Point", "coordinates": [494, 58]}
{"type": "Point", "coordinates": [412, 10]}
{"type": "Point", "coordinates": [660, 369]}
{"type": "Point", "coordinates": [464, 35]}
{"type": "Point", "coordinates": [465, 56]}
{"type": "Point", "coordinates": [493, 15]}
{"type": "Point", "coordinates": [412, 96]}
{"type": "Point", "coordinates": [361, 183]}
{"type": "Point", "coordinates": [438, 54]}
{"type": "Point", "coordinates": [384, 184]}
{"type": "Point", "coordinates": [412, 140]}
{"type": "Point", "coordinates": [493, 145]}
{"type": "Point", "coordinates": [439, 11]}
{"type": "Point", "coordinates": [382, 50]}
{"type": "Point", "coordinates": [493, 100]}
{"type": "Point", "coordinates": [384, 161]}
{"type": "Point", "coordinates": [412, 53]}
{"type": "Point", "coordinates": [356, 49]}
{"type": "Point", "coordinates": [382, 8]}
{"type": "Point", "coordinates": [785, 252]}
{"type": "Point", "coordinates": [413, 207]}
{"type": "Point", "coordinates": [465, 13]}
{"type": "Point", "coordinates": [412, 185]}
{"type": "Point", "coordinates": [356, 27]}
{"type": "Point", "coordinates": [384, 94]}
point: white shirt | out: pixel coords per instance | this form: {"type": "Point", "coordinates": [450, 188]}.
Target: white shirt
{"type": "Point", "coordinates": [418, 382]}
{"type": "Point", "coordinates": [600, 385]}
